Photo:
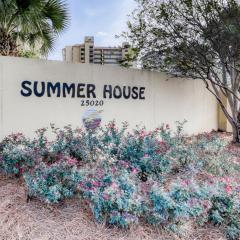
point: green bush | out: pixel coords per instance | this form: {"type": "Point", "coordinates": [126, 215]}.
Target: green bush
{"type": "Point", "coordinates": [53, 183]}
{"type": "Point", "coordinates": [127, 176]}
{"type": "Point", "coordinates": [17, 155]}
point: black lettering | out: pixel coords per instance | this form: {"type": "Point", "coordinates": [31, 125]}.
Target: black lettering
{"type": "Point", "coordinates": [107, 89]}
{"type": "Point", "coordinates": [80, 88]}
{"type": "Point", "coordinates": [126, 93]}
{"type": "Point", "coordinates": [68, 88]}
{"type": "Point", "coordinates": [117, 92]}
{"type": "Point", "coordinates": [91, 90]}
{"type": "Point", "coordinates": [135, 92]}
{"type": "Point", "coordinates": [141, 93]}
{"type": "Point", "coordinates": [53, 88]}
{"type": "Point", "coordinates": [28, 90]}
{"type": "Point", "coordinates": [36, 92]}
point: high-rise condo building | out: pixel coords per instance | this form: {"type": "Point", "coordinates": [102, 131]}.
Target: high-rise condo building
{"type": "Point", "coordinates": [88, 53]}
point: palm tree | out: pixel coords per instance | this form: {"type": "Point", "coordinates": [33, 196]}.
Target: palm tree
{"type": "Point", "coordinates": [31, 23]}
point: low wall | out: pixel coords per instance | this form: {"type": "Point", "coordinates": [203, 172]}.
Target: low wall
{"type": "Point", "coordinates": [35, 93]}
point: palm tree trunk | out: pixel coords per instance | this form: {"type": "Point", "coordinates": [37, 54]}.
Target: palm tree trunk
{"type": "Point", "coordinates": [8, 45]}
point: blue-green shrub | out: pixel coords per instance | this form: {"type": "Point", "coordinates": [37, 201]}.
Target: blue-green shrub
{"type": "Point", "coordinates": [53, 183]}
{"type": "Point", "coordinates": [17, 155]}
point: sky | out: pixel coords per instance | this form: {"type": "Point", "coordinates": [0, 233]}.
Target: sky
{"type": "Point", "coordinates": [102, 19]}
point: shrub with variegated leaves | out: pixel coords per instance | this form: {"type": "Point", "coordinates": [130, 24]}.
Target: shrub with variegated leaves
{"type": "Point", "coordinates": [17, 155]}
{"type": "Point", "coordinates": [55, 182]}
{"type": "Point", "coordinates": [127, 176]}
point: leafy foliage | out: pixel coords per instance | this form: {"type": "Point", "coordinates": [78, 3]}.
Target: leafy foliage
{"type": "Point", "coordinates": [17, 156]}
{"type": "Point", "coordinates": [192, 38]}
{"type": "Point", "coordinates": [31, 25]}
{"type": "Point", "coordinates": [114, 198]}
{"type": "Point", "coordinates": [126, 177]}
{"type": "Point", "coordinates": [225, 208]}
{"type": "Point", "coordinates": [53, 183]}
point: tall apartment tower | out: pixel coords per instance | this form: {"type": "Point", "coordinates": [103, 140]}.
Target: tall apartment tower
{"type": "Point", "coordinates": [88, 53]}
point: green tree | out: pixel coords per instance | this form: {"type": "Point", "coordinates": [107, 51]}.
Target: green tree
{"type": "Point", "coordinates": [194, 38]}
{"type": "Point", "coordinates": [31, 24]}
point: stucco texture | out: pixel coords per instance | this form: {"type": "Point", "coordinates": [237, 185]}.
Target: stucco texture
{"type": "Point", "coordinates": [167, 99]}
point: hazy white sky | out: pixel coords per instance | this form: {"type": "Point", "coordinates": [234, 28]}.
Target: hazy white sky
{"type": "Point", "coordinates": [102, 19]}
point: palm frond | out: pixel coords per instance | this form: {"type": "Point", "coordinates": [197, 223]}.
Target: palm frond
{"type": "Point", "coordinates": [34, 22]}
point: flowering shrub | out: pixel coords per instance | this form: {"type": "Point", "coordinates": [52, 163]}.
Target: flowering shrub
{"type": "Point", "coordinates": [53, 183]}
{"type": "Point", "coordinates": [17, 156]}
{"type": "Point", "coordinates": [216, 202]}
{"type": "Point", "coordinates": [211, 154]}
{"type": "Point", "coordinates": [114, 198]}
{"type": "Point", "coordinates": [146, 152]}
{"type": "Point", "coordinates": [143, 150]}
{"type": "Point", "coordinates": [225, 208]}
{"type": "Point", "coordinates": [131, 176]}
{"type": "Point", "coordinates": [112, 138]}
{"type": "Point", "coordinates": [162, 207]}
{"type": "Point", "coordinates": [183, 201]}
{"type": "Point", "coordinates": [72, 142]}
{"type": "Point", "coordinates": [112, 192]}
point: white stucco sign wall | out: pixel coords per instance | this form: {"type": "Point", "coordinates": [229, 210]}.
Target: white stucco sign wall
{"type": "Point", "coordinates": [35, 93]}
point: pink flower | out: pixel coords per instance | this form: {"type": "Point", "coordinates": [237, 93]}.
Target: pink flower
{"type": "Point", "coordinates": [206, 204]}
{"type": "Point", "coordinates": [114, 185]}
{"type": "Point", "coordinates": [114, 170]}
{"type": "Point", "coordinates": [227, 179]}
{"type": "Point", "coordinates": [228, 189]}
{"type": "Point", "coordinates": [124, 164]}
{"type": "Point", "coordinates": [96, 183]}
{"type": "Point", "coordinates": [186, 182]}
{"type": "Point", "coordinates": [146, 155]}
{"type": "Point", "coordinates": [72, 161]}
{"type": "Point", "coordinates": [135, 171]}
{"type": "Point", "coordinates": [82, 185]}
{"type": "Point", "coordinates": [106, 196]}
{"type": "Point", "coordinates": [143, 134]}
{"type": "Point", "coordinates": [193, 202]}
